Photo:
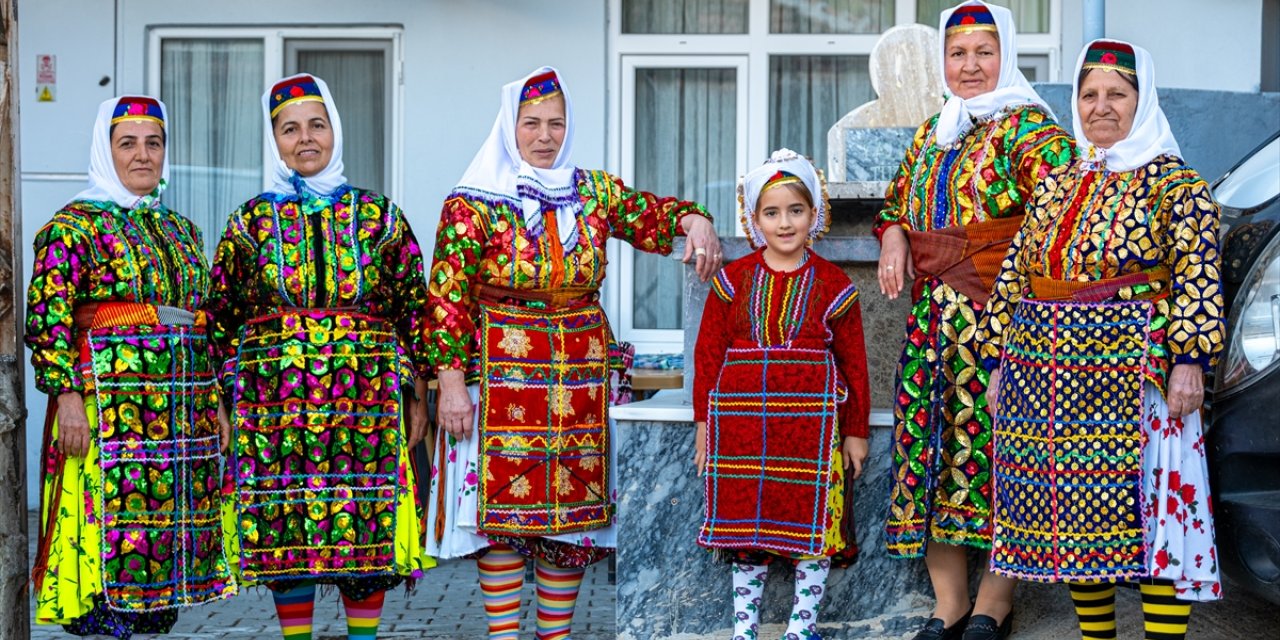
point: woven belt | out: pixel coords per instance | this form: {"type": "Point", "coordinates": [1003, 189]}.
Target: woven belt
{"type": "Point", "coordinates": [1097, 290]}
{"type": "Point", "coordinates": [557, 299]}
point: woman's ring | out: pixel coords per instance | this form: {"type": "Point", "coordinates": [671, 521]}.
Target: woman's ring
{"type": "Point", "coordinates": [699, 251]}
{"type": "Point", "coordinates": [889, 268]}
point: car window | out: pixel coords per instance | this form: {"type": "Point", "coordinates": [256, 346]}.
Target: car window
{"type": "Point", "coordinates": [1254, 182]}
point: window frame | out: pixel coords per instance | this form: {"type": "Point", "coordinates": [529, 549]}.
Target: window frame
{"type": "Point", "coordinates": [274, 65]}
{"type": "Point", "coordinates": [757, 45]}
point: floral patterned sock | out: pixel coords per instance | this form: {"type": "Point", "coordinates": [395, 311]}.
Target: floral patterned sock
{"type": "Point", "coordinates": [811, 585]}
{"type": "Point", "coordinates": [748, 588]}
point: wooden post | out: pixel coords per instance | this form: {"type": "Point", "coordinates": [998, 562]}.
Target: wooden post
{"type": "Point", "coordinates": [15, 616]}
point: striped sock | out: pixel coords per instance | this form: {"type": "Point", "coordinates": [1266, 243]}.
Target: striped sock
{"type": "Point", "coordinates": [557, 596]}
{"type": "Point", "coordinates": [363, 616]}
{"type": "Point", "coordinates": [501, 578]}
{"type": "Point", "coordinates": [1163, 615]}
{"type": "Point", "coordinates": [1096, 608]}
{"type": "Point", "coordinates": [295, 608]}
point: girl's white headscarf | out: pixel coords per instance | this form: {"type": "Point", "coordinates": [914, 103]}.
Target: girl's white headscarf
{"type": "Point", "coordinates": [1012, 87]}
{"type": "Point", "coordinates": [499, 173]}
{"type": "Point", "coordinates": [752, 184]}
{"type": "Point", "coordinates": [286, 181]}
{"type": "Point", "coordinates": [1150, 136]}
{"type": "Point", "coordinates": [104, 183]}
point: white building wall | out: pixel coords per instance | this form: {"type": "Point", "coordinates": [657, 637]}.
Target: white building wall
{"type": "Point", "coordinates": [1195, 44]}
{"type": "Point", "coordinates": [456, 56]}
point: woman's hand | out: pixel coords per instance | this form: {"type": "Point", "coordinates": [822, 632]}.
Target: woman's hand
{"type": "Point", "coordinates": [1186, 390]}
{"type": "Point", "coordinates": [700, 448]}
{"type": "Point", "coordinates": [224, 427]}
{"type": "Point", "coordinates": [855, 452]}
{"type": "Point", "coordinates": [702, 244]}
{"type": "Point", "coordinates": [895, 261]}
{"type": "Point", "coordinates": [418, 413]}
{"type": "Point", "coordinates": [73, 425]}
{"type": "Point", "coordinates": [454, 411]}
{"type": "Point", "coordinates": [993, 391]}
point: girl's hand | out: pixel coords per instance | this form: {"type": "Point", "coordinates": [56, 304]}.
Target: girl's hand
{"type": "Point", "coordinates": [700, 448]}
{"type": "Point", "coordinates": [702, 244]}
{"type": "Point", "coordinates": [418, 413]}
{"type": "Point", "coordinates": [454, 410]}
{"type": "Point", "coordinates": [895, 261]}
{"type": "Point", "coordinates": [224, 427]}
{"type": "Point", "coordinates": [1186, 390]}
{"type": "Point", "coordinates": [73, 425]}
{"type": "Point", "coordinates": [855, 452]}
{"type": "Point", "coordinates": [993, 391]}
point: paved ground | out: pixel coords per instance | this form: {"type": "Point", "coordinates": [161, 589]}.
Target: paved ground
{"type": "Point", "coordinates": [446, 606]}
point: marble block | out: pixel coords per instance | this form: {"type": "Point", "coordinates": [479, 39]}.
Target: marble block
{"type": "Point", "coordinates": [668, 585]}
{"type": "Point", "coordinates": [875, 154]}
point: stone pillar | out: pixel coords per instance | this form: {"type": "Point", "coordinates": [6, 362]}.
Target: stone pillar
{"type": "Point", "coordinates": [15, 617]}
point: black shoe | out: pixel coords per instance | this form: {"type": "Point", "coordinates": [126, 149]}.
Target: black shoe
{"type": "Point", "coordinates": [984, 627]}
{"type": "Point", "coordinates": [934, 629]}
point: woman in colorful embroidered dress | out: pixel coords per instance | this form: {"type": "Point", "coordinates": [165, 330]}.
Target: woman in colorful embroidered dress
{"type": "Point", "coordinates": [1109, 311]}
{"type": "Point", "coordinates": [126, 538]}
{"type": "Point", "coordinates": [782, 331]}
{"type": "Point", "coordinates": [317, 310]}
{"type": "Point", "coordinates": [519, 336]}
{"type": "Point", "coordinates": [948, 217]}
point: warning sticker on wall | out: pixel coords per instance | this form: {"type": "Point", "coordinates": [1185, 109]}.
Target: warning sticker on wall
{"type": "Point", "coordinates": [46, 77]}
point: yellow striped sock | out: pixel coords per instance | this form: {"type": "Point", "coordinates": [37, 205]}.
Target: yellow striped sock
{"type": "Point", "coordinates": [1164, 616]}
{"type": "Point", "coordinates": [1096, 609]}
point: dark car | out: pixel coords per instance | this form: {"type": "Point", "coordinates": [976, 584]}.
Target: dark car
{"type": "Point", "coordinates": [1244, 414]}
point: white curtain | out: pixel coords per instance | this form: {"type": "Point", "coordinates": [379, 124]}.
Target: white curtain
{"type": "Point", "coordinates": [684, 16]}
{"type": "Point", "coordinates": [808, 94]}
{"type": "Point", "coordinates": [686, 146]}
{"type": "Point", "coordinates": [830, 16]}
{"type": "Point", "coordinates": [357, 80]}
{"type": "Point", "coordinates": [212, 89]}
{"type": "Point", "coordinates": [1030, 16]}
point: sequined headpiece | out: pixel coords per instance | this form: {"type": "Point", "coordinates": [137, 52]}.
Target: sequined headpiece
{"type": "Point", "coordinates": [539, 88]}
{"type": "Point", "coordinates": [970, 18]}
{"type": "Point", "coordinates": [293, 90]}
{"type": "Point", "coordinates": [138, 108]}
{"type": "Point", "coordinates": [780, 178]}
{"type": "Point", "coordinates": [1110, 56]}
{"type": "Point", "coordinates": [784, 166]}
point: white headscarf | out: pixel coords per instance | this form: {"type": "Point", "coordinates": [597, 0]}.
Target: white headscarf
{"type": "Point", "coordinates": [1150, 136]}
{"type": "Point", "coordinates": [752, 185]}
{"type": "Point", "coordinates": [282, 177]}
{"type": "Point", "coordinates": [104, 182]}
{"type": "Point", "coordinates": [499, 173]}
{"type": "Point", "coordinates": [1012, 87]}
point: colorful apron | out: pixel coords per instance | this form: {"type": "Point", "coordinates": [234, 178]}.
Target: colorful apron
{"type": "Point", "coordinates": [772, 447]}
{"type": "Point", "coordinates": [544, 435]}
{"type": "Point", "coordinates": [1068, 442]}
{"type": "Point", "coordinates": [317, 414]}
{"type": "Point", "coordinates": [158, 447]}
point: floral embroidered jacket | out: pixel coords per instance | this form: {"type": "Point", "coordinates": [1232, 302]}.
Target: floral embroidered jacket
{"type": "Point", "coordinates": [355, 250]}
{"type": "Point", "coordinates": [99, 252]}
{"type": "Point", "coordinates": [487, 241]}
{"type": "Point", "coordinates": [1086, 224]}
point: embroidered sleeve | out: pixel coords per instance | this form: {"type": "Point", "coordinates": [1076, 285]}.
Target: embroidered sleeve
{"type": "Point", "coordinates": [451, 305]}
{"type": "Point", "coordinates": [722, 287]}
{"type": "Point", "coordinates": [1036, 146]}
{"type": "Point", "coordinates": [227, 305]}
{"type": "Point", "coordinates": [849, 347]}
{"type": "Point", "coordinates": [714, 337]}
{"type": "Point", "coordinates": [897, 197]}
{"type": "Point", "coordinates": [62, 255]}
{"type": "Point", "coordinates": [406, 288]}
{"type": "Point", "coordinates": [1005, 296]}
{"type": "Point", "coordinates": [1196, 329]}
{"type": "Point", "coordinates": [646, 221]}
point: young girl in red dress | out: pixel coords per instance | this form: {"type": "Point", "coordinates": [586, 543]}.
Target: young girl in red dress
{"type": "Point", "coordinates": [781, 399]}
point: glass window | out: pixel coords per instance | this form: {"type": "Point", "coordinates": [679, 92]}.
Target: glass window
{"type": "Point", "coordinates": [808, 94]}
{"type": "Point", "coordinates": [1030, 16]}
{"type": "Point", "coordinates": [830, 16]}
{"type": "Point", "coordinates": [684, 16]}
{"type": "Point", "coordinates": [213, 89]}
{"type": "Point", "coordinates": [686, 141]}
{"type": "Point", "coordinates": [358, 77]}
